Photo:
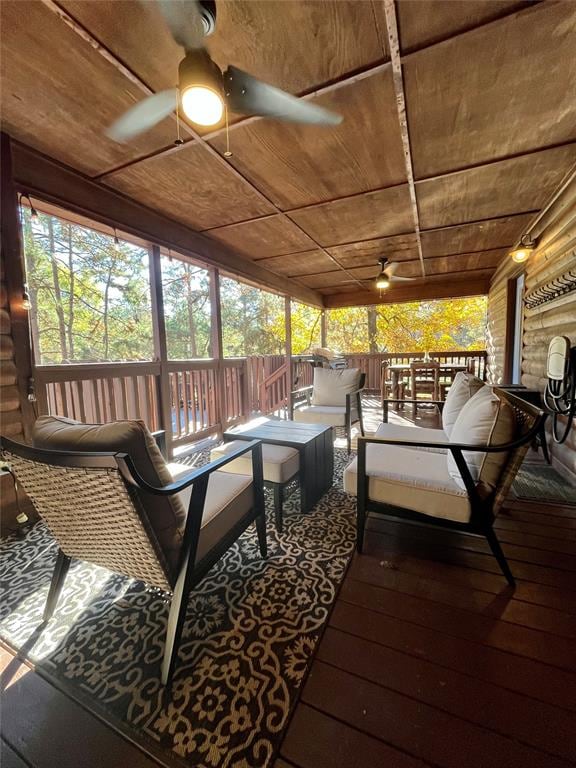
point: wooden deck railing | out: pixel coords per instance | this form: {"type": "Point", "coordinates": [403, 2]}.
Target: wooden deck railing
{"type": "Point", "coordinates": [192, 399]}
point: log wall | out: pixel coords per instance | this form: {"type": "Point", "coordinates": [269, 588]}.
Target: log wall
{"type": "Point", "coordinates": [555, 253]}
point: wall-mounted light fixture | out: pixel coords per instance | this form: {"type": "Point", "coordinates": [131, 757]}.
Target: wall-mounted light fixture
{"type": "Point", "coordinates": [26, 303]}
{"type": "Point", "coordinates": [523, 251]}
{"type": "Point", "coordinates": [116, 241]}
{"type": "Point", "coordinates": [33, 211]}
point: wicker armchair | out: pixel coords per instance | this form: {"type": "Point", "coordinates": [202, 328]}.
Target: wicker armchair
{"type": "Point", "coordinates": [407, 478]}
{"type": "Point", "coordinates": [100, 509]}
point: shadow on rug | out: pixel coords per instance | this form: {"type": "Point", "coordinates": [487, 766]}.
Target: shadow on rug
{"type": "Point", "coordinates": [251, 630]}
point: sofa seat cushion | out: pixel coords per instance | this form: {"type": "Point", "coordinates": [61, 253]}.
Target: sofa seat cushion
{"type": "Point", "coordinates": [331, 415]}
{"type": "Point", "coordinates": [463, 387]}
{"type": "Point", "coordinates": [228, 499]}
{"type": "Point", "coordinates": [166, 516]}
{"type": "Point", "coordinates": [331, 386]}
{"type": "Point", "coordinates": [426, 434]}
{"type": "Point", "coordinates": [412, 479]}
{"type": "Point", "coordinates": [280, 463]}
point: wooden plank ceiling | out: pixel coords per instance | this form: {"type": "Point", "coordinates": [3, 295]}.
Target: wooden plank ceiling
{"type": "Point", "coordinates": [490, 95]}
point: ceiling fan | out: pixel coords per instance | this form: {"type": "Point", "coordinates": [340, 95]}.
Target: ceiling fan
{"type": "Point", "coordinates": [204, 92]}
{"type": "Point", "coordinates": [387, 275]}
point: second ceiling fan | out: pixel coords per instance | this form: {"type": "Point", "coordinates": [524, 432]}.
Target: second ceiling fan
{"type": "Point", "coordinates": [387, 275]}
{"type": "Point", "coordinates": [204, 93]}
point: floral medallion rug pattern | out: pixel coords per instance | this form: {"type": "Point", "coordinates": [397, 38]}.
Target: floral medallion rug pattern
{"type": "Point", "coordinates": [251, 629]}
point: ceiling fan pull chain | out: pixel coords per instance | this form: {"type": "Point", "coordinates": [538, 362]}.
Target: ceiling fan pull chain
{"type": "Point", "coordinates": [227, 153]}
{"type": "Point", "coordinates": [179, 140]}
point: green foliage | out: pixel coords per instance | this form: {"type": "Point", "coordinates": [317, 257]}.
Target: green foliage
{"type": "Point", "coordinates": [187, 309]}
{"type": "Point", "coordinates": [252, 320]}
{"type": "Point", "coordinates": [90, 295]}
{"type": "Point", "coordinates": [91, 302]}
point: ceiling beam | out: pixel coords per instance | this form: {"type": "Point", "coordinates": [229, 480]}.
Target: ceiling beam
{"type": "Point", "coordinates": [442, 289]}
{"type": "Point", "coordinates": [398, 80]}
{"type": "Point", "coordinates": [56, 183]}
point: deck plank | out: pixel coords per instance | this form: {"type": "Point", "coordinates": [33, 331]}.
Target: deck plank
{"type": "Point", "coordinates": [510, 714]}
{"type": "Point", "coordinates": [408, 724]}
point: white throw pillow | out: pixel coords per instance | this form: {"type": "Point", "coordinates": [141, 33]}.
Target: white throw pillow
{"type": "Point", "coordinates": [331, 387]}
{"type": "Point", "coordinates": [483, 420]}
{"type": "Point", "coordinates": [464, 386]}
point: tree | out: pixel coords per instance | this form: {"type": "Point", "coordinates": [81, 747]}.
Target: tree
{"type": "Point", "coordinates": [441, 325]}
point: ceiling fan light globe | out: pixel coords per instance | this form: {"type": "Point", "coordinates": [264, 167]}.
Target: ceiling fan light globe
{"type": "Point", "coordinates": [382, 282]}
{"type": "Point", "coordinates": [202, 105]}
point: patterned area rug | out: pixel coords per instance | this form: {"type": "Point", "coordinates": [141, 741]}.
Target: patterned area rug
{"type": "Point", "coordinates": [544, 483]}
{"type": "Point", "coordinates": [250, 634]}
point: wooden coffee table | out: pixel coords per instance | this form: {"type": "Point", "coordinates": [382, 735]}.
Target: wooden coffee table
{"type": "Point", "coordinates": [315, 443]}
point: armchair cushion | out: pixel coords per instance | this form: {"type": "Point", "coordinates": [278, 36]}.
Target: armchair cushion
{"type": "Point", "coordinates": [331, 415]}
{"type": "Point", "coordinates": [229, 497]}
{"type": "Point", "coordinates": [484, 420]}
{"type": "Point", "coordinates": [166, 516]}
{"type": "Point", "coordinates": [464, 386]}
{"type": "Point", "coordinates": [331, 386]}
{"type": "Point", "coordinates": [411, 479]}
{"type": "Point", "coordinates": [426, 434]}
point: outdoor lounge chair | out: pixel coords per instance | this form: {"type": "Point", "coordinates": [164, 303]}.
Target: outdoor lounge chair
{"type": "Point", "coordinates": [462, 487]}
{"type": "Point", "coordinates": [333, 399]}
{"type": "Point", "coordinates": [121, 510]}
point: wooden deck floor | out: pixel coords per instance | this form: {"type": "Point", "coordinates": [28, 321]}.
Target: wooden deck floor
{"type": "Point", "coordinates": [430, 659]}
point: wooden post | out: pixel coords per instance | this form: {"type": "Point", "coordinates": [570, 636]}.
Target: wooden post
{"type": "Point", "coordinates": [323, 329]}
{"type": "Point", "coordinates": [217, 347]}
{"type": "Point", "coordinates": [289, 378]}
{"type": "Point", "coordinates": [12, 255]}
{"type": "Point", "coordinates": [160, 345]}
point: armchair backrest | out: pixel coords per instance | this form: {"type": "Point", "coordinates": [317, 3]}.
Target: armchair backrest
{"type": "Point", "coordinates": [529, 420]}
{"type": "Point", "coordinates": [331, 386]}
{"type": "Point", "coordinates": [90, 510]}
{"type": "Point", "coordinates": [167, 516]}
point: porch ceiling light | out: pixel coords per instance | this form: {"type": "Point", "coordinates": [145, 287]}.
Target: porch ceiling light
{"type": "Point", "coordinates": [382, 282]}
{"type": "Point", "coordinates": [201, 92]}
{"type": "Point", "coordinates": [522, 253]}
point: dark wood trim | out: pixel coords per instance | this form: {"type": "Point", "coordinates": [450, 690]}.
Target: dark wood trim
{"type": "Point", "coordinates": [323, 329]}
{"type": "Point", "coordinates": [511, 290]}
{"type": "Point", "coordinates": [160, 345]}
{"type": "Point", "coordinates": [56, 183]}
{"type": "Point", "coordinates": [216, 343]}
{"type": "Point", "coordinates": [448, 289]}
{"type": "Point", "coordinates": [288, 327]}
{"type": "Point", "coordinates": [13, 257]}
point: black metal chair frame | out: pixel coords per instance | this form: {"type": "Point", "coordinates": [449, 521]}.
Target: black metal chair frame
{"type": "Point", "coordinates": [353, 406]}
{"type": "Point", "coordinates": [482, 509]}
{"type": "Point", "coordinates": [189, 574]}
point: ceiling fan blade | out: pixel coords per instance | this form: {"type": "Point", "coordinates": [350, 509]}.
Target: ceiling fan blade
{"type": "Point", "coordinates": [395, 279]}
{"type": "Point", "coordinates": [144, 115]}
{"type": "Point", "coordinates": [248, 95]}
{"type": "Point", "coordinates": [391, 267]}
{"type": "Point", "coordinates": [184, 22]}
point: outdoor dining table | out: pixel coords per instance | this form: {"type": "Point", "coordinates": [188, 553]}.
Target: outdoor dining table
{"type": "Point", "coordinates": [397, 370]}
